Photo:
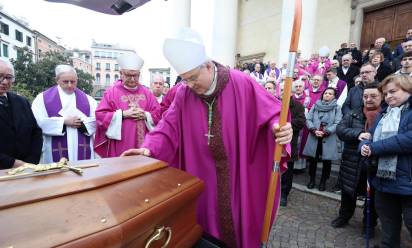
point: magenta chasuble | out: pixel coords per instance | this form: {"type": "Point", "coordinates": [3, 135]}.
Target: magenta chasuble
{"type": "Point", "coordinates": [247, 115]}
{"type": "Point", "coordinates": [133, 131]}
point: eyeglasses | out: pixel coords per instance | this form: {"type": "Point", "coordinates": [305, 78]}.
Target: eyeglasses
{"type": "Point", "coordinates": [194, 77]}
{"type": "Point", "coordinates": [9, 78]}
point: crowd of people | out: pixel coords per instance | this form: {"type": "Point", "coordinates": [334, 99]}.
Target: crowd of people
{"type": "Point", "coordinates": [344, 101]}
{"type": "Point", "coordinates": [220, 124]}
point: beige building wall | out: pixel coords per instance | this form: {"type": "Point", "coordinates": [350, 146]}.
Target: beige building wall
{"type": "Point", "coordinates": [259, 27]}
{"type": "Point", "coordinates": [332, 24]}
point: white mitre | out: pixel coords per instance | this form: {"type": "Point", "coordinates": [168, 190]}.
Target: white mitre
{"type": "Point", "coordinates": [130, 61]}
{"type": "Point", "coordinates": [186, 51]}
{"type": "Point", "coordinates": [324, 51]}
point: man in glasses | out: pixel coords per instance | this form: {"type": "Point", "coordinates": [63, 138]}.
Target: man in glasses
{"type": "Point", "coordinates": [66, 116]}
{"type": "Point", "coordinates": [20, 137]}
{"type": "Point", "coordinates": [355, 96]}
{"type": "Point", "coordinates": [222, 128]}
{"type": "Point", "coordinates": [126, 112]}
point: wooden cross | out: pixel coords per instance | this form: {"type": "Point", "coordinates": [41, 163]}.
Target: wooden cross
{"type": "Point", "coordinates": [60, 149]}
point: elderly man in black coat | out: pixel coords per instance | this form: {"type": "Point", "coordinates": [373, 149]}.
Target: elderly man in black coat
{"type": "Point", "coordinates": [20, 136]}
{"type": "Point", "coordinates": [353, 172]}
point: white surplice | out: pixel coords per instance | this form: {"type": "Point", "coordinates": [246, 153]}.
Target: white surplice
{"type": "Point", "coordinates": [53, 126]}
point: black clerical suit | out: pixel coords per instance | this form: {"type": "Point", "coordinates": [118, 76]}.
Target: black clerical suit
{"type": "Point", "coordinates": [20, 136]}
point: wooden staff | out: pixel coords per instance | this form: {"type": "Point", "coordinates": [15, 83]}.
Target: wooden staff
{"type": "Point", "coordinates": [274, 178]}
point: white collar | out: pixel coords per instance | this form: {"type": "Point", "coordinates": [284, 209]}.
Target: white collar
{"type": "Point", "coordinates": [62, 92]}
{"type": "Point", "coordinates": [214, 83]}
{"type": "Point", "coordinates": [4, 94]}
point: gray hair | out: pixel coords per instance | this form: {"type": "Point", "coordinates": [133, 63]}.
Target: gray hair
{"type": "Point", "coordinates": [8, 64]}
{"type": "Point", "coordinates": [60, 69]}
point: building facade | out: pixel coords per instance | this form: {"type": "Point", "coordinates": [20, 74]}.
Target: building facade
{"type": "Point", "coordinates": [14, 33]}
{"type": "Point", "coordinates": [104, 65]}
{"type": "Point", "coordinates": [44, 44]}
{"type": "Point", "coordinates": [82, 60]}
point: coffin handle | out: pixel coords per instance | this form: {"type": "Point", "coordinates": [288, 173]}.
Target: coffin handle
{"type": "Point", "coordinates": [158, 234]}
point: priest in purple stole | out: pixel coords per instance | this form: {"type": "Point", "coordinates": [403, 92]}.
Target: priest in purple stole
{"type": "Point", "coordinates": [220, 128]}
{"type": "Point", "coordinates": [334, 82]}
{"type": "Point", "coordinates": [127, 111]}
{"type": "Point", "coordinates": [66, 116]}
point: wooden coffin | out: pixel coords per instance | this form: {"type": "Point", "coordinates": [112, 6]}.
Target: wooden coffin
{"type": "Point", "coordinates": [124, 202]}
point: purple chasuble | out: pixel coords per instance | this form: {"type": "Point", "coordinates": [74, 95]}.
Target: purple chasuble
{"type": "Point", "coordinates": [340, 86]}
{"type": "Point", "coordinates": [247, 113]}
{"type": "Point", "coordinates": [53, 105]}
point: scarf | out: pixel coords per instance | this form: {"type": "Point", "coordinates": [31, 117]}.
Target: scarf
{"type": "Point", "coordinates": [387, 127]}
{"type": "Point", "coordinates": [326, 115]}
{"type": "Point", "coordinates": [370, 115]}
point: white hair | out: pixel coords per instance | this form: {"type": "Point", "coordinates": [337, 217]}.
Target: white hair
{"type": "Point", "coordinates": [60, 69]}
{"type": "Point", "coordinates": [347, 56]}
{"type": "Point", "coordinates": [8, 64]}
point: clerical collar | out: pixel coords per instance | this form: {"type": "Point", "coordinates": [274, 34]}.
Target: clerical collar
{"type": "Point", "coordinates": [214, 83]}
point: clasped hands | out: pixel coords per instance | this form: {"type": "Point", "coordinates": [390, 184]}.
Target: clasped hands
{"type": "Point", "coordinates": [73, 121]}
{"type": "Point", "coordinates": [134, 113]}
{"type": "Point", "coordinates": [365, 149]}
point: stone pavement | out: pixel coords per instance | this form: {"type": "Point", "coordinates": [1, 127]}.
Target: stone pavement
{"type": "Point", "coordinates": [305, 222]}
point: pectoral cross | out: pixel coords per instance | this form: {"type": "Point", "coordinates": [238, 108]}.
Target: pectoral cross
{"type": "Point", "coordinates": [209, 135]}
{"type": "Point", "coordinates": [60, 149]}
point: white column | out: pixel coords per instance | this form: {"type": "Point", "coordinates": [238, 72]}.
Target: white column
{"type": "Point", "coordinates": [179, 17]}
{"type": "Point", "coordinates": [225, 31]}
{"type": "Point", "coordinates": [306, 39]}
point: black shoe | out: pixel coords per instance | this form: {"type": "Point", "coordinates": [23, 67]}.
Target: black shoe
{"type": "Point", "coordinates": [336, 188]}
{"type": "Point", "coordinates": [283, 201]}
{"type": "Point", "coordinates": [322, 186]}
{"type": "Point", "coordinates": [339, 222]}
{"type": "Point", "coordinates": [311, 184]}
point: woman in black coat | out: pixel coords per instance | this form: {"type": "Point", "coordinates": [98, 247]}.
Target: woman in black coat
{"type": "Point", "coordinates": [353, 173]}
{"type": "Point", "coordinates": [382, 70]}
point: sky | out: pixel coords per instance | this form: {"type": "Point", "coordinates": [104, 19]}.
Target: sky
{"type": "Point", "coordinates": [142, 29]}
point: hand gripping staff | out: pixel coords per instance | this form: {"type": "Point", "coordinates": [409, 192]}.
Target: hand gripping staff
{"type": "Point", "coordinates": [274, 178]}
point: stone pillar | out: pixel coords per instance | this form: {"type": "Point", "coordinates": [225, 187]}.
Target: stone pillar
{"type": "Point", "coordinates": [225, 23]}
{"type": "Point", "coordinates": [307, 29]}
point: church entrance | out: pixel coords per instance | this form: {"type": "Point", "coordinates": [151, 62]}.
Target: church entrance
{"type": "Point", "coordinates": [390, 21]}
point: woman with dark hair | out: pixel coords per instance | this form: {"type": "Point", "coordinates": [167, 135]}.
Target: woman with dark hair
{"type": "Point", "coordinates": [321, 122]}
{"type": "Point", "coordinates": [382, 70]}
{"type": "Point", "coordinates": [389, 150]}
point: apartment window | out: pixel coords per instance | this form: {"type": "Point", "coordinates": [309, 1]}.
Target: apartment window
{"type": "Point", "coordinates": [116, 77]}
{"type": "Point", "coordinates": [19, 53]}
{"type": "Point", "coordinates": [5, 50]}
{"type": "Point", "coordinates": [107, 79]}
{"type": "Point", "coordinates": [19, 36]}
{"type": "Point", "coordinates": [97, 66]}
{"type": "Point", "coordinates": [97, 78]}
{"type": "Point", "coordinates": [107, 66]}
{"type": "Point", "coordinates": [116, 67]}
{"type": "Point", "coordinates": [28, 41]}
{"type": "Point", "coordinates": [4, 28]}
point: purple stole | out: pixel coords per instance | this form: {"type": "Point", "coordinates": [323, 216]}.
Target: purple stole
{"type": "Point", "coordinates": [277, 72]}
{"type": "Point", "coordinates": [260, 75]}
{"type": "Point", "coordinates": [340, 86]}
{"type": "Point", "coordinates": [53, 105]}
